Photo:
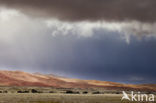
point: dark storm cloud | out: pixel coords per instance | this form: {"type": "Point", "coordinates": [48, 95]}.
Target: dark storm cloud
{"type": "Point", "coordinates": [80, 50]}
{"type": "Point", "coordinates": [77, 10]}
{"type": "Point", "coordinates": [104, 57]}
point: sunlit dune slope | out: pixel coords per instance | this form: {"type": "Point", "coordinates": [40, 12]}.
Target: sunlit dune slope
{"type": "Point", "coordinates": [19, 78]}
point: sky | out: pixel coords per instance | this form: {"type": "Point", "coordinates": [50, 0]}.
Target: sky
{"type": "Point", "coordinates": [109, 40]}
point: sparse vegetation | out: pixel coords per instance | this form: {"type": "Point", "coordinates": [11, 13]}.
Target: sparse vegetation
{"type": "Point", "coordinates": [34, 91]}
{"type": "Point", "coordinates": [96, 92]}
{"type": "Point", "coordinates": [72, 92]}
{"type": "Point", "coordinates": [56, 98]}
{"type": "Point", "coordinates": [54, 95]}
{"type": "Point", "coordinates": [85, 92]}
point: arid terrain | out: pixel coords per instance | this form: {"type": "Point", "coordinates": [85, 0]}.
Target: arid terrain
{"type": "Point", "coordinates": [55, 98]}
{"type": "Point", "coordinates": [22, 87]}
{"type": "Point", "coordinates": [19, 78]}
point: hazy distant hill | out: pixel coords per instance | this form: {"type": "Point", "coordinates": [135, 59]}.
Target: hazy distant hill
{"type": "Point", "coordinates": [19, 78]}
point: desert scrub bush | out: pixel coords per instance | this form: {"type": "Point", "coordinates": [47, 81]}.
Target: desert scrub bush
{"type": "Point", "coordinates": [84, 92]}
{"type": "Point", "coordinates": [45, 102]}
{"type": "Point", "coordinates": [22, 91]}
{"type": "Point", "coordinates": [52, 92]}
{"type": "Point", "coordinates": [96, 92]}
{"type": "Point", "coordinates": [34, 91]}
{"type": "Point", "coordinates": [72, 92]}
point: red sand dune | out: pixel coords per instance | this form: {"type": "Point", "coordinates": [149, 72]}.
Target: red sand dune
{"type": "Point", "coordinates": [19, 78]}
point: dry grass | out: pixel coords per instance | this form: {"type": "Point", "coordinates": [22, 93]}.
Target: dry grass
{"type": "Point", "coordinates": [59, 98]}
{"type": "Point", "coordinates": [59, 95]}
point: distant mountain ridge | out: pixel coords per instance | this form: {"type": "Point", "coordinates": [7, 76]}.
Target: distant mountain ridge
{"type": "Point", "coordinates": [19, 78]}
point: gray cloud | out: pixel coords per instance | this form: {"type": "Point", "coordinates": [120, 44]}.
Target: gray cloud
{"type": "Point", "coordinates": [87, 50]}
{"type": "Point", "coordinates": [92, 10]}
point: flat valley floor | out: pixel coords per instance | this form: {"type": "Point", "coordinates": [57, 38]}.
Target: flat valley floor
{"type": "Point", "coordinates": [61, 98]}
